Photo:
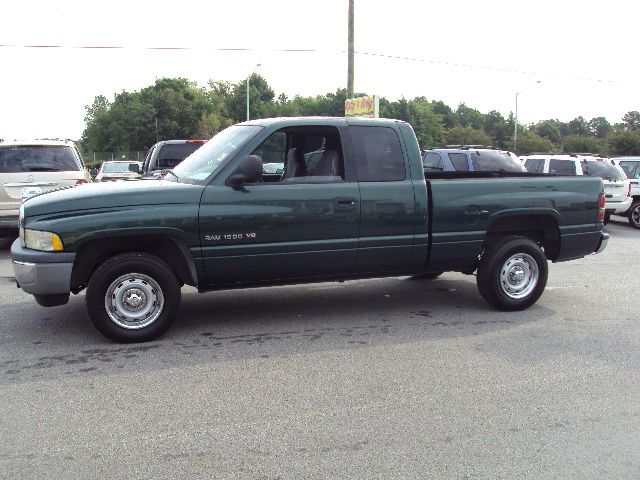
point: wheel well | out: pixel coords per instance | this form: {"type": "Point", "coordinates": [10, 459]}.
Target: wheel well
{"type": "Point", "coordinates": [542, 229]}
{"type": "Point", "coordinates": [171, 250]}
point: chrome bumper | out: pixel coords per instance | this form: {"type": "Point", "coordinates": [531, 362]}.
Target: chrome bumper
{"type": "Point", "coordinates": [42, 273]}
{"type": "Point", "coordinates": [604, 239]}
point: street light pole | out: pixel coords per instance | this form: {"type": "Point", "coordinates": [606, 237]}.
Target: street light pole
{"type": "Point", "coordinates": [515, 125]}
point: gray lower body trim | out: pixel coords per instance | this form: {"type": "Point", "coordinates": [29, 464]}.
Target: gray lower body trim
{"type": "Point", "coordinates": [42, 273]}
{"type": "Point", "coordinates": [43, 278]}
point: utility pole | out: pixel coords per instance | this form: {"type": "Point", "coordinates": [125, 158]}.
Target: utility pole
{"type": "Point", "coordinates": [350, 53]}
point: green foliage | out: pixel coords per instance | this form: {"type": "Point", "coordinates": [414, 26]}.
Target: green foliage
{"type": "Point", "coordinates": [466, 136]}
{"type": "Point", "coordinates": [600, 127]}
{"type": "Point", "coordinates": [631, 120]}
{"type": "Point", "coordinates": [181, 109]}
{"type": "Point", "coordinates": [624, 143]}
{"type": "Point", "coordinates": [529, 142]}
{"type": "Point", "coordinates": [580, 144]}
{"type": "Point", "coordinates": [549, 129]}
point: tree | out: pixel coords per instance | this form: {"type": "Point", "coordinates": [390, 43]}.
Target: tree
{"type": "Point", "coordinates": [261, 97]}
{"type": "Point", "coordinates": [579, 144]}
{"type": "Point", "coordinates": [631, 120]}
{"type": "Point", "coordinates": [530, 142]}
{"type": "Point", "coordinates": [600, 127]}
{"type": "Point", "coordinates": [466, 136]}
{"type": "Point", "coordinates": [469, 117]}
{"type": "Point", "coordinates": [550, 130]}
{"type": "Point", "coordinates": [624, 143]}
{"type": "Point", "coordinates": [578, 126]}
{"type": "Point", "coordinates": [497, 128]}
{"type": "Point", "coordinates": [446, 113]}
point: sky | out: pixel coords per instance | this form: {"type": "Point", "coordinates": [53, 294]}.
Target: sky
{"type": "Point", "coordinates": [560, 58]}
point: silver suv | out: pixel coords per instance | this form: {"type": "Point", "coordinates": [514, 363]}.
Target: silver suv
{"type": "Point", "coordinates": [33, 167]}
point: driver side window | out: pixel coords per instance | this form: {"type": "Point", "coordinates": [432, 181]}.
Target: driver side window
{"type": "Point", "coordinates": [302, 155]}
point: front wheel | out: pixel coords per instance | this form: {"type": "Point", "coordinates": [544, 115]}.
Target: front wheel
{"type": "Point", "coordinates": [634, 214]}
{"type": "Point", "coordinates": [512, 273]}
{"type": "Point", "coordinates": [133, 297]}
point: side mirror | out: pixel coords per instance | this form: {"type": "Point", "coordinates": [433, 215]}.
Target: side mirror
{"type": "Point", "coordinates": [135, 168]}
{"type": "Point", "coordinates": [249, 171]}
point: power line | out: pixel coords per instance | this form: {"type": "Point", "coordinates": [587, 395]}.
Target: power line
{"type": "Point", "coordinates": [314, 50]}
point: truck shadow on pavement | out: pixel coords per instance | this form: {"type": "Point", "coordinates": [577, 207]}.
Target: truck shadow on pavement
{"type": "Point", "coordinates": [254, 324]}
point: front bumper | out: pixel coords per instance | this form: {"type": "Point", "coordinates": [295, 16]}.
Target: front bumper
{"type": "Point", "coordinates": [604, 240]}
{"type": "Point", "coordinates": [42, 273]}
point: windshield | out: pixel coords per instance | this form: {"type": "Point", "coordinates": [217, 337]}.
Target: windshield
{"type": "Point", "coordinates": [206, 160]}
{"type": "Point", "coordinates": [602, 169]}
{"type": "Point", "coordinates": [118, 167]}
{"type": "Point", "coordinates": [37, 158]}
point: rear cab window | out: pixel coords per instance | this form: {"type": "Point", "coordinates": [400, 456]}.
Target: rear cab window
{"type": "Point", "coordinates": [38, 158]}
{"type": "Point", "coordinates": [378, 154]}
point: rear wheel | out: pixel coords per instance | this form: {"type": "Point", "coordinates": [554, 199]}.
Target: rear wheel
{"type": "Point", "coordinates": [133, 297]}
{"type": "Point", "coordinates": [607, 217]}
{"type": "Point", "coordinates": [634, 214]}
{"type": "Point", "coordinates": [512, 273]}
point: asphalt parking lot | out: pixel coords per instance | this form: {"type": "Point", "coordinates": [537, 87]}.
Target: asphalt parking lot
{"type": "Point", "coordinates": [390, 378]}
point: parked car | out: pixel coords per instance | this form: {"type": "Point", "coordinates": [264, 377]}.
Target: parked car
{"type": "Point", "coordinates": [29, 168]}
{"type": "Point", "coordinates": [167, 154]}
{"type": "Point", "coordinates": [119, 170]}
{"type": "Point", "coordinates": [631, 166]}
{"type": "Point", "coordinates": [616, 184]}
{"type": "Point", "coordinates": [469, 159]}
{"type": "Point", "coordinates": [219, 222]}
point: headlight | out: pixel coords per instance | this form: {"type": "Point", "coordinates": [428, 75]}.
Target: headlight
{"type": "Point", "coordinates": [46, 241]}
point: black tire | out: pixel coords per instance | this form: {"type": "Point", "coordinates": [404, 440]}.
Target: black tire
{"type": "Point", "coordinates": [504, 260]}
{"type": "Point", "coordinates": [427, 275]}
{"type": "Point", "coordinates": [133, 277]}
{"type": "Point", "coordinates": [607, 218]}
{"type": "Point", "coordinates": [634, 214]}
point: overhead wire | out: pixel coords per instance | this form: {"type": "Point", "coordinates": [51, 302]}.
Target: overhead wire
{"type": "Point", "coordinates": [311, 50]}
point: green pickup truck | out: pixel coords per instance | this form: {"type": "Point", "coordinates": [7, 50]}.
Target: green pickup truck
{"type": "Point", "coordinates": [352, 202]}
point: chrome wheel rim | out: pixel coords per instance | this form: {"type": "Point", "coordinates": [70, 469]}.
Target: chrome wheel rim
{"type": "Point", "coordinates": [635, 215]}
{"type": "Point", "coordinates": [519, 276]}
{"type": "Point", "coordinates": [134, 301]}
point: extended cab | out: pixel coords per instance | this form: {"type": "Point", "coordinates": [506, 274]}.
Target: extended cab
{"type": "Point", "coordinates": [361, 209]}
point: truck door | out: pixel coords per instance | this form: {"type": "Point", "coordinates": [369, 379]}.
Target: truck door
{"type": "Point", "coordinates": [387, 224]}
{"type": "Point", "coordinates": [302, 223]}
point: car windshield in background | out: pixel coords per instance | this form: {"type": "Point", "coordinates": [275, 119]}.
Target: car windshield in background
{"type": "Point", "coordinates": [493, 161]}
{"type": "Point", "coordinates": [172, 154]}
{"type": "Point", "coordinates": [602, 169]}
{"type": "Point", "coordinates": [207, 159]}
{"type": "Point", "coordinates": [37, 158]}
{"type": "Point", "coordinates": [117, 167]}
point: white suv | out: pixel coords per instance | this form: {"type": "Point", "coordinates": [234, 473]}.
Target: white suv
{"type": "Point", "coordinates": [33, 167]}
{"type": "Point", "coordinates": [616, 185]}
{"type": "Point", "coordinates": [631, 166]}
